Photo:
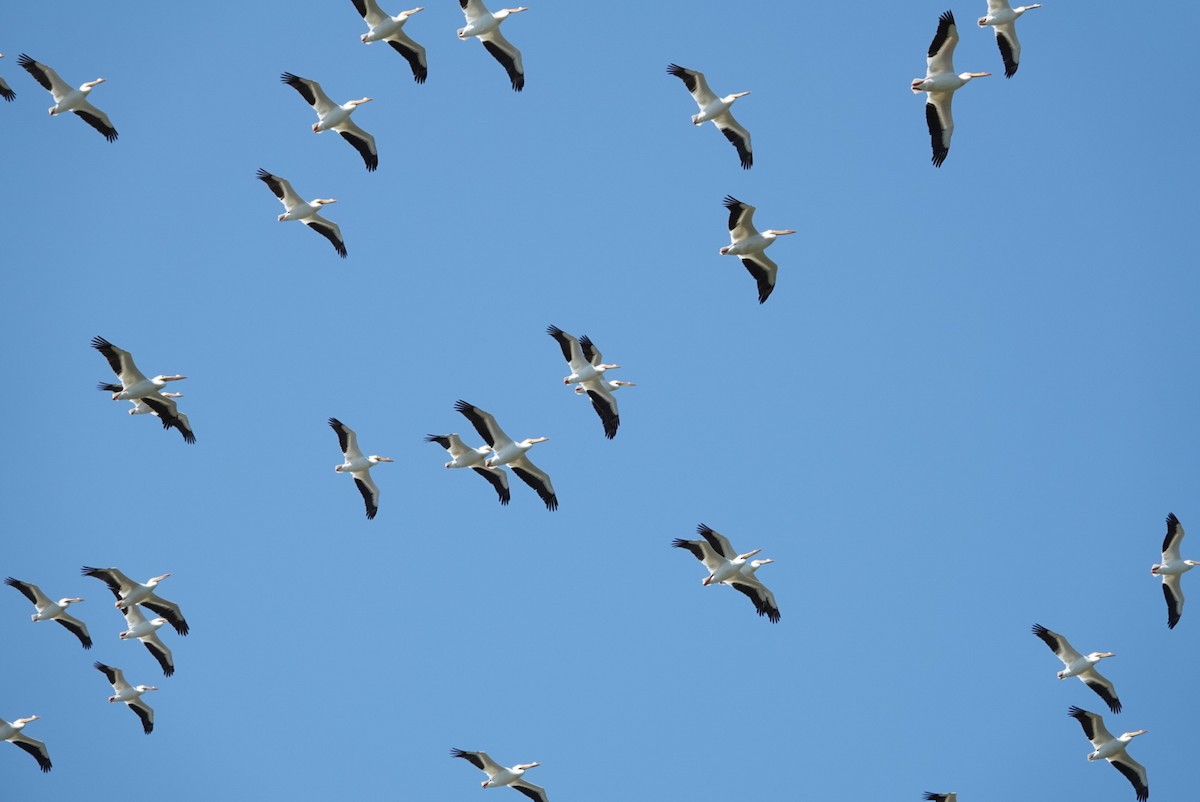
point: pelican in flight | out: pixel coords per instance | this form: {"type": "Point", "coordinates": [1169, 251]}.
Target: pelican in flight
{"type": "Point", "coordinates": [130, 593]}
{"type": "Point", "coordinates": [5, 90]}
{"type": "Point", "coordinates": [507, 451]}
{"type": "Point", "coordinates": [12, 733]}
{"type": "Point", "coordinates": [332, 116]}
{"type": "Point", "coordinates": [50, 610]}
{"type": "Point", "coordinates": [129, 694]}
{"type": "Point", "coordinates": [134, 383]}
{"type": "Point", "coordinates": [1003, 19]}
{"type": "Point", "coordinates": [358, 466]}
{"type": "Point", "coordinates": [1171, 568]}
{"type": "Point", "coordinates": [138, 628]}
{"type": "Point", "coordinates": [464, 456]}
{"type": "Point", "coordinates": [601, 391]}
{"type": "Point", "coordinates": [939, 84]}
{"type": "Point", "coordinates": [727, 567]}
{"type": "Point", "coordinates": [748, 245]}
{"type": "Point", "coordinates": [307, 212]}
{"type": "Point", "coordinates": [162, 405]}
{"type": "Point", "coordinates": [584, 360]}
{"type": "Point", "coordinates": [485, 25]}
{"type": "Point", "coordinates": [716, 110]}
{"type": "Point", "coordinates": [499, 775]}
{"type": "Point", "coordinates": [386, 28]}
{"type": "Point", "coordinates": [1113, 749]}
{"type": "Point", "coordinates": [1080, 665]}
{"type": "Point", "coordinates": [67, 98]}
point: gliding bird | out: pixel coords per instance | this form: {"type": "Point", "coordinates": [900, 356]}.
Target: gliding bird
{"type": "Point", "coordinates": [506, 451]}
{"type": "Point", "coordinates": [50, 610]}
{"type": "Point", "coordinates": [748, 245]}
{"type": "Point", "coordinates": [162, 405]}
{"type": "Point", "coordinates": [12, 734]}
{"type": "Point", "coordinates": [147, 632]}
{"type": "Point", "coordinates": [727, 567]}
{"type": "Point", "coordinates": [358, 466]}
{"type": "Point", "coordinates": [129, 694]}
{"type": "Point", "coordinates": [463, 456]}
{"type": "Point", "coordinates": [499, 775]}
{"type": "Point", "coordinates": [940, 84]}
{"type": "Point", "coordinates": [1171, 568]}
{"type": "Point", "coordinates": [1003, 18]}
{"type": "Point", "coordinates": [386, 28]}
{"type": "Point", "coordinates": [130, 593]}
{"type": "Point", "coordinates": [332, 116]}
{"type": "Point", "coordinates": [67, 98]}
{"type": "Point", "coordinates": [601, 394]}
{"type": "Point", "coordinates": [134, 383]}
{"type": "Point", "coordinates": [307, 212]}
{"type": "Point", "coordinates": [1080, 665]}
{"type": "Point", "coordinates": [716, 110]}
{"type": "Point", "coordinates": [485, 25]}
{"type": "Point", "coordinates": [1113, 749]}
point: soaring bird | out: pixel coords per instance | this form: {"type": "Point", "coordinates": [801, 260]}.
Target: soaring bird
{"type": "Point", "coordinates": [307, 212]}
{"type": "Point", "coordinates": [747, 244]}
{"type": "Point", "coordinates": [5, 90]}
{"type": "Point", "coordinates": [129, 694]}
{"type": "Point", "coordinates": [940, 84]}
{"type": "Point", "coordinates": [464, 456]}
{"type": "Point", "coordinates": [1081, 665]}
{"type": "Point", "coordinates": [138, 628]}
{"type": "Point", "coordinates": [1003, 19]}
{"type": "Point", "coordinates": [358, 465]}
{"type": "Point", "coordinates": [386, 28]}
{"type": "Point", "coordinates": [331, 116]}
{"type": "Point", "coordinates": [130, 593]}
{"type": "Point", "coordinates": [67, 98]}
{"type": "Point", "coordinates": [12, 733]}
{"type": "Point", "coordinates": [485, 26]}
{"type": "Point", "coordinates": [162, 405]}
{"type": "Point", "coordinates": [134, 383]}
{"type": "Point", "coordinates": [507, 451]}
{"type": "Point", "coordinates": [1171, 568]}
{"type": "Point", "coordinates": [50, 610]}
{"type": "Point", "coordinates": [727, 567]}
{"type": "Point", "coordinates": [716, 110]}
{"type": "Point", "coordinates": [1112, 749]}
{"type": "Point", "coordinates": [600, 391]}
{"type": "Point", "coordinates": [499, 775]}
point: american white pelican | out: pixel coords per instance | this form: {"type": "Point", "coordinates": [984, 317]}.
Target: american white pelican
{"type": "Point", "coordinates": [463, 456]}
{"type": "Point", "coordinates": [138, 628]}
{"type": "Point", "coordinates": [129, 593]}
{"type": "Point", "coordinates": [499, 775]}
{"type": "Point", "coordinates": [134, 383]}
{"type": "Point", "coordinates": [748, 245]}
{"type": "Point", "coordinates": [386, 28]}
{"type": "Point", "coordinates": [12, 734]}
{"type": "Point", "coordinates": [1080, 665]}
{"type": "Point", "coordinates": [129, 694]}
{"type": "Point", "coordinates": [485, 25]}
{"type": "Point", "coordinates": [725, 566]}
{"type": "Point", "coordinates": [67, 98]}
{"type": "Point", "coordinates": [716, 110]}
{"type": "Point", "coordinates": [332, 116]}
{"type": "Point", "coordinates": [162, 405]}
{"type": "Point", "coordinates": [930, 796]}
{"type": "Point", "coordinates": [506, 451]}
{"type": "Point", "coordinates": [580, 360]}
{"type": "Point", "coordinates": [358, 466]}
{"type": "Point", "coordinates": [50, 610]}
{"type": "Point", "coordinates": [1003, 18]}
{"type": "Point", "coordinates": [601, 393]}
{"type": "Point", "coordinates": [940, 83]}
{"type": "Point", "coordinates": [6, 91]}
{"type": "Point", "coordinates": [1171, 568]}
{"type": "Point", "coordinates": [1113, 749]}
{"type": "Point", "coordinates": [307, 212]}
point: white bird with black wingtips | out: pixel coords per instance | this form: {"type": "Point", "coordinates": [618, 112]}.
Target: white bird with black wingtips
{"type": "Point", "coordinates": [138, 628]}
{"type": "Point", "coordinates": [129, 593]}
{"type": "Point", "coordinates": [307, 212]}
{"type": "Point", "coordinates": [1172, 568]}
{"type": "Point", "coordinates": [716, 110]}
{"type": "Point", "coordinates": [1081, 665]}
{"type": "Point", "coordinates": [162, 405]}
{"type": "Point", "coordinates": [69, 99]}
{"type": "Point", "coordinates": [464, 456]}
{"type": "Point", "coordinates": [358, 466]}
{"type": "Point", "coordinates": [12, 733]}
{"type": "Point", "coordinates": [50, 610]}
{"type": "Point", "coordinates": [129, 694]}
{"type": "Point", "coordinates": [485, 26]}
{"type": "Point", "coordinates": [134, 383]}
{"type": "Point", "coordinates": [727, 567]}
{"type": "Point", "coordinates": [940, 83]}
{"type": "Point", "coordinates": [335, 117]}
{"type": "Point", "coordinates": [1110, 748]}
{"type": "Point", "coordinates": [747, 244]}
{"type": "Point", "coordinates": [1003, 19]}
{"type": "Point", "coordinates": [499, 776]}
{"type": "Point", "coordinates": [386, 28]}
{"type": "Point", "coordinates": [506, 451]}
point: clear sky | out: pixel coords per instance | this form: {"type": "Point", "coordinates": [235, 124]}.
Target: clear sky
{"type": "Point", "coordinates": [967, 407]}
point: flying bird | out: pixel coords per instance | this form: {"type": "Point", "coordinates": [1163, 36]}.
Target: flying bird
{"type": "Point", "coordinates": [1003, 19]}
{"type": "Point", "coordinates": [584, 363]}
{"type": "Point", "coordinates": [716, 110]}
{"type": "Point", "coordinates": [1080, 665]}
{"type": "Point", "coordinates": [162, 405]}
{"type": "Point", "coordinates": [307, 212]}
{"type": "Point", "coordinates": [507, 451]}
{"type": "Point", "coordinates": [67, 98]}
{"type": "Point", "coordinates": [940, 84]}
{"type": "Point", "coordinates": [50, 610]}
{"type": "Point", "coordinates": [930, 796]}
{"type": "Point", "coordinates": [601, 391]}
{"type": "Point", "coordinates": [129, 694]}
{"type": "Point", "coordinates": [6, 91]}
{"type": "Point", "coordinates": [727, 567]}
{"type": "Point", "coordinates": [1171, 568]}
{"type": "Point", "coordinates": [464, 456]}
{"type": "Point", "coordinates": [485, 25]}
{"type": "Point", "coordinates": [1113, 749]}
{"type": "Point", "coordinates": [358, 466]}
{"type": "Point", "coordinates": [134, 383]}
{"type": "Point", "coordinates": [499, 775]}
{"type": "Point", "coordinates": [130, 593]}
{"type": "Point", "coordinates": [748, 245]}
{"type": "Point", "coordinates": [386, 28]}
{"type": "Point", "coordinates": [331, 116]}
{"type": "Point", "coordinates": [138, 628]}
{"type": "Point", "coordinates": [12, 733]}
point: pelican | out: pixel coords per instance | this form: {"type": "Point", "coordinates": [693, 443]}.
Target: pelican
{"type": "Point", "coordinates": [129, 694]}
{"type": "Point", "coordinates": [716, 110]}
{"type": "Point", "coordinates": [940, 83]}
{"type": "Point", "coordinates": [307, 212]}
{"type": "Point", "coordinates": [725, 566]}
{"type": "Point", "coordinates": [930, 796]}
{"type": "Point", "coordinates": [12, 734]}
{"type": "Point", "coordinates": [485, 25]}
{"type": "Point", "coordinates": [386, 28]}
{"type": "Point", "coordinates": [464, 456]}
{"type": "Point", "coordinates": [601, 393]}
{"type": "Point", "coordinates": [130, 594]}
{"type": "Point", "coordinates": [50, 610]}
{"type": "Point", "coordinates": [68, 99]}
{"type": "Point", "coordinates": [1171, 568]}
{"type": "Point", "coordinates": [134, 383]}
{"type": "Point", "coordinates": [506, 451]}
{"type": "Point", "coordinates": [748, 245]}
{"type": "Point", "coordinates": [1113, 749]}
{"type": "Point", "coordinates": [147, 632]}
{"type": "Point", "coordinates": [162, 405]}
{"type": "Point", "coordinates": [499, 775]}
{"type": "Point", "coordinates": [358, 466]}
{"type": "Point", "coordinates": [6, 91]}
{"type": "Point", "coordinates": [584, 361]}
{"type": "Point", "coordinates": [1003, 18]}
{"type": "Point", "coordinates": [1082, 666]}
{"type": "Point", "coordinates": [335, 117]}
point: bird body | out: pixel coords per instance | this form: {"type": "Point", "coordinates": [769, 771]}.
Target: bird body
{"type": "Point", "coordinates": [134, 383]}
{"type": "Point", "coordinates": [485, 25]}
{"type": "Point", "coordinates": [1172, 567]}
{"type": "Point", "coordinates": [50, 610]}
{"type": "Point", "coordinates": [358, 465]}
{"type": "Point", "coordinates": [129, 694]}
{"type": "Point", "coordinates": [746, 243]}
{"type": "Point", "coordinates": [336, 117]}
{"type": "Point", "coordinates": [715, 109]}
{"type": "Point", "coordinates": [475, 458]}
{"type": "Point", "coordinates": [12, 733]}
{"type": "Point", "coordinates": [138, 628]}
{"type": "Point", "coordinates": [1110, 748]}
{"type": "Point", "coordinates": [506, 451]}
{"type": "Point", "coordinates": [383, 27]}
{"type": "Point", "coordinates": [1080, 665]}
{"type": "Point", "coordinates": [68, 98]}
{"type": "Point", "coordinates": [727, 567]}
{"type": "Point", "coordinates": [499, 776]}
{"type": "Point", "coordinates": [307, 212]}
{"type": "Point", "coordinates": [130, 593]}
{"type": "Point", "coordinates": [940, 83]}
{"type": "Point", "coordinates": [1002, 18]}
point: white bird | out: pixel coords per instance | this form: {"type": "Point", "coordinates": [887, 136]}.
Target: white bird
{"type": "Point", "coordinates": [130, 593]}
{"type": "Point", "coordinates": [138, 628]}
{"type": "Point", "coordinates": [1171, 568]}
{"type": "Point", "coordinates": [727, 567]}
{"type": "Point", "coordinates": [67, 98]}
{"type": "Point", "coordinates": [307, 212]}
{"type": "Point", "coordinates": [716, 110]}
{"type": "Point", "coordinates": [579, 358]}
{"type": "Point", "coordinates": [162, 405]}
{"type": "Point", "coordinates": [358, 466]}
{"type": "Point", "coordinates": [1080, 665]}
{"type": "Point", "coordinates": [939, 84]}
{"type": "Point", "coordinates": [12, 733]}
{"type": "Point", "coordinates": [601, 394]}
{"type": "Point", "coordinates": [1113, 749]}
{"type": "Point", "coordinates": [748, 245]}
{"type": "Point", "coordinates": [129, 694]}
{"type": "Point", "coordinates": [1003, 18]}
{"type": "Point", "coordinates": [386, 28]}
{"type": "Point", "coordinates": [932, 797]}
{"type": "Point", "coordinates": [134, 383]}
{"type": "Point", "coordinates": [50, 610]}
{"type": "Point", "coordinates": [499, 775]}
{"type": "Point", "coordinates": [485, 25]}
{"type": "Point", "coordinates": [506, 451]}
{"type": "Point", "coordinates": [464, 456]}
{"type": "Point", "coordinates": [6, 91]}
{"type": "Point", "coordinates": [331, 116]}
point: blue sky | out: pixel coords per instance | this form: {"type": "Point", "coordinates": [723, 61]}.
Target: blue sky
{"type": "Point", "coordinates": [967, 407]}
